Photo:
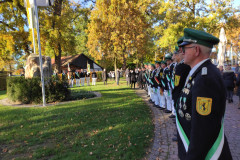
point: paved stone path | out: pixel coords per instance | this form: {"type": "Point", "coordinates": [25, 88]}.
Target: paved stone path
{"type": "Point", "coordinates": [163, 148]}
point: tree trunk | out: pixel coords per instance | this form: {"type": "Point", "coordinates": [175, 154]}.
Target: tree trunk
{"type": "Point", "coordinates": [58, 59]}
{"type": "Point", "coordinates": [115, 67]}
{"type": "Point", "coordinates": [124, 60]}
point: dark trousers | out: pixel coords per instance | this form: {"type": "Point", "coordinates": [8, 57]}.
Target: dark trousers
{"type": "Point", "coordinates": [229, 94]}
{"type": "Point", "coordinates": [133, 83]}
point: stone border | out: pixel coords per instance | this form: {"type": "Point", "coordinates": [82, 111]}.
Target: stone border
{"type": "Point", "coordinates": [5, 102]}
{"type": "Point", "coordinates": [162, 146]}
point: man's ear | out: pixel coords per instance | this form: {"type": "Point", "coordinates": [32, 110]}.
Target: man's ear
{"type": "Point", "coordinates": [198, 50]}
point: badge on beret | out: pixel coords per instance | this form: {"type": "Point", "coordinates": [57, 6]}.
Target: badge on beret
{"type": "Point", "coordinates": [177, 79]}
{"type": "Point", "coordinates": [204, 105]}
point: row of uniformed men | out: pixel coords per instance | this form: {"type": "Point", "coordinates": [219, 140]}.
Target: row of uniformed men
{"type": "Point", "coordinates": [163, 83]}
{"type": "Point", "coordinates": [197, 89]}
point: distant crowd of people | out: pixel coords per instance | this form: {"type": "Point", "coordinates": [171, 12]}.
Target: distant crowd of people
{"type": "Point", "coordinates": [79, 77]}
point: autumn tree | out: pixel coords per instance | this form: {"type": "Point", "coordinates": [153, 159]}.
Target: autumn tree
{"type": "Point", "coordinates": [198, 14]}
{"type": "Point", "coordinates": [14, 38]}
{"type": "Point", "coordinates": [118, 28]}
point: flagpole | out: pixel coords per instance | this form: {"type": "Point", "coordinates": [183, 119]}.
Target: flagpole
{"type": "Point", "coordinates": [34, 49]}
{"type": "Point", "coordinates": [40, 55]}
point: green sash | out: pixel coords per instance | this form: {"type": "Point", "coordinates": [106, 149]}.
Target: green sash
{"type": "Point", "coordinates": [216, 149]}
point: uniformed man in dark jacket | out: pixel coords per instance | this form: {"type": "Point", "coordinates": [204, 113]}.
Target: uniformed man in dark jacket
{"type": "Point", "coordinates": [201, 105]}
{"type": "Point", "coordinates": [180, 73]}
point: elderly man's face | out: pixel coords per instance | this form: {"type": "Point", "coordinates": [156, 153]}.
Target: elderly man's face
{"type": "Point", "coordinates": [188, 53]}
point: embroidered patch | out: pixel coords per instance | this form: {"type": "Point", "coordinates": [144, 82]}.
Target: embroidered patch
{"type": "Point", "coordinates": [204, 105]}
{"type": "Point", "coordinates": [177, 79]}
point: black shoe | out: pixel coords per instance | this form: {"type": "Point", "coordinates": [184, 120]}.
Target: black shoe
{"type": "Point", "coordinates": [232, 100]}
{"type": "Point", "coordinates": [155, 105]}
{"type": "Point", "coordinates": [174, 139]}
{"type": "Point", "coordinates": [161, 108]}
{"type": "Point", "coordinates": [167, 111]}
{"type": "Point", "coordinates": [172, 116]}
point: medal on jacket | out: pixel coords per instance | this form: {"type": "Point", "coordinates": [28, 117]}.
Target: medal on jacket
{"type": "Point", "coordinates": [180, 112]}
{"type": "Point", "coordinates": [180, 102]}
{"type": "Point", "coordinates": [188, 116]}
{"type": "Point", "coordinates": [184, 103]}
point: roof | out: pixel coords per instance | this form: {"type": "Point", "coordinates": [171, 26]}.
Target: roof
{"type": "Point", "coordinates": [79, 61]}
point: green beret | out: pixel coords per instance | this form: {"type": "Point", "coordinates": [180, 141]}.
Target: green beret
{"type": "Point", "coordinates": [158, 62]}
{"type": "Point", "coordinates": [168, 57]}
{"type": "Point", "coordinates": [145, 63]}
{"type": "Point", "coordinates": [199, 37]}
{"type": "Point", "coordinates": [152, 65]}
{"type": "Point", "coordinates": [163, 62]}
{"type": "Point", "coordinates": [176, 50]}
{"type": "Point", "coordinates": [180, 40]}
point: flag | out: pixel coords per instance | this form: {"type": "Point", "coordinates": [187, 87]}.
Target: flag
{"type": "Point", "coordinates": [88, 67]}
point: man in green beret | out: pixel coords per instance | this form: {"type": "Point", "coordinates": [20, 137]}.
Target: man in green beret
{"type": "Point", "coordinates": [167, 80]}
{"type": "Point", "coordinates": [201, 105]}
{"type": "Point", "coordinates": [151, 83]}
{"type": "Point", "coordinates": [157, 83]}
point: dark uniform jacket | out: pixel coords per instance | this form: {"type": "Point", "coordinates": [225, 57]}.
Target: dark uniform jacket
{"type": "Point", "coordinates": [133, 78]}
{"type": "Point", "coordinates": [180, 74]}
{"type": "Point", "coordinates": [200, 111]}
{"type": "Point", "coordinates": [165, 80]}
{"type": "Point", "coordinates": [82, 74]}
{"type": "Point", "coordinates": [77, 75]}
{"type": "Point", "coordinates": [157, 77]}
{"type": "Point", "coordinates": [152, 75]}
{"type": "Point", "coordinates": [94, 75]}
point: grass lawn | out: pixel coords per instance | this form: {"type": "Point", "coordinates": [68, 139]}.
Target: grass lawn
{"type": "Point", "coordinates": [116, 126]}
{"type": "Point", "coordinates": [3, 94]}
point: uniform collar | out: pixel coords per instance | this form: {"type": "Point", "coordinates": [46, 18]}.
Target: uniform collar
{"type": "Point", "coordinates": [194, 69]}
{"type": "Point", "coordinates": [197, 66]}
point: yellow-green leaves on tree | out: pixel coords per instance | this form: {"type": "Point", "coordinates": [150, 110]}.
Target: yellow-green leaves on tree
{"type": "Point", "coordinates": [118, 28]}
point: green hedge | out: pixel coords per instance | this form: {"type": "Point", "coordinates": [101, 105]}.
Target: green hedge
{"type": "Point", "coordinates": [30, 90]}
{"type": "Point", "coordinates": [3, 83]}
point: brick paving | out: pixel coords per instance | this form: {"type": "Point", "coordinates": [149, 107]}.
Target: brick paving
{"type": "Point", "coordinates": [163, 148]}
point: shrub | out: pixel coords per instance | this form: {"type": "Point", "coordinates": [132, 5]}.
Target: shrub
{"type": "Point", "coordinates": [30, 90]}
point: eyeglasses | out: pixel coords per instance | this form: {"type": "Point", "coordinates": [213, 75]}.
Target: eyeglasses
{"type": "Point", "coordinates": [184, 48]}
